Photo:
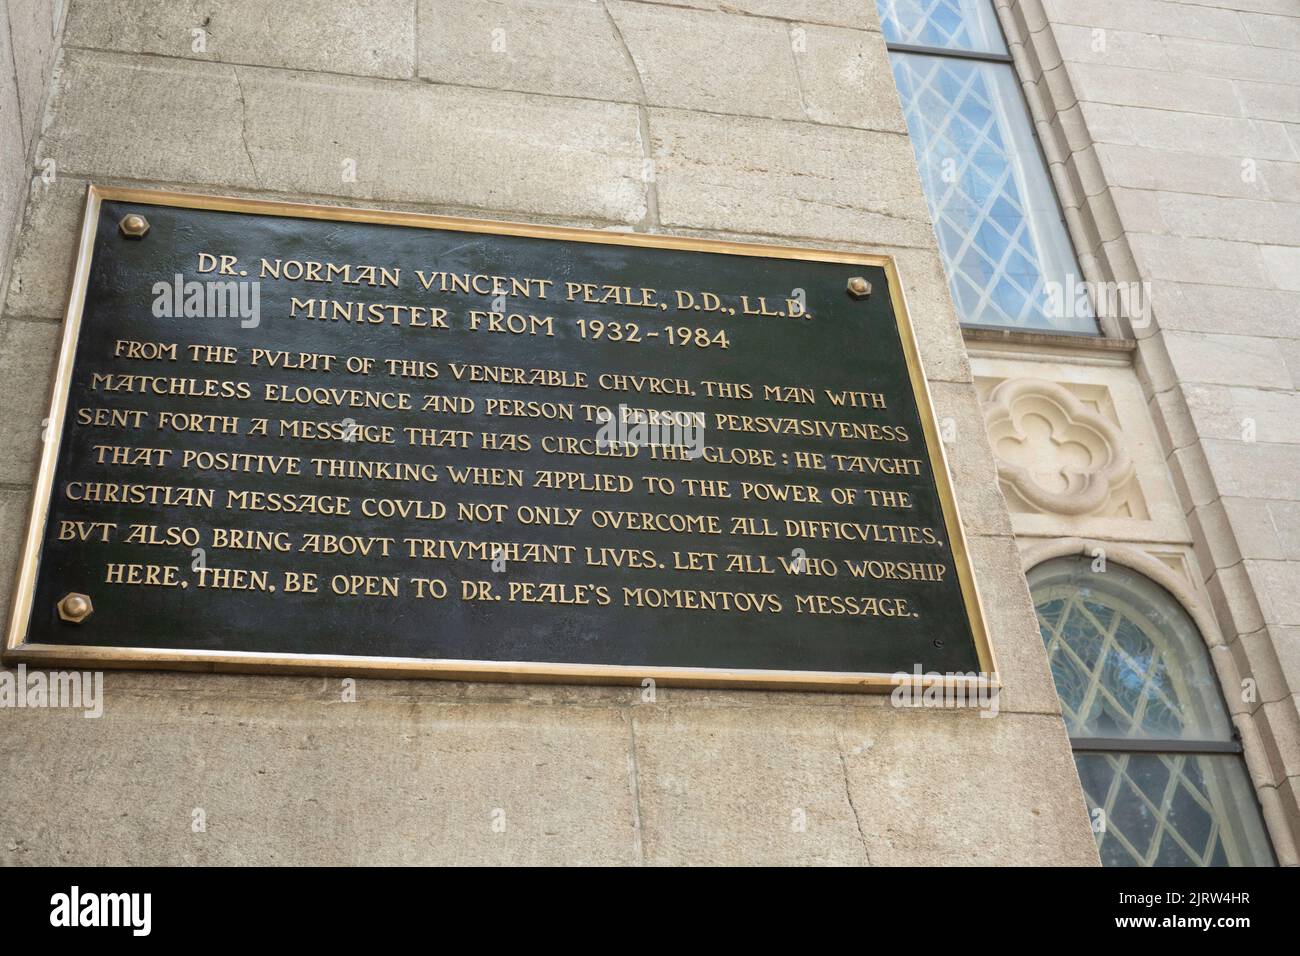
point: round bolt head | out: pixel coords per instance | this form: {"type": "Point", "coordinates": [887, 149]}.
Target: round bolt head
{"type": "Point", "coordinates": [75, 608]}
{"type": "Point", "coordinates": [133, 226]}
{"type": "Point", "coordinates": [859, 287]}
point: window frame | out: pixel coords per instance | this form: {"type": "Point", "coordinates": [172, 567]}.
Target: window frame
{"type": "Point", "coordinates": [1104, 331]}
{"type": "Point", "coordinates": [1161, 746]}
{"type": "Point", "coordinates": [1155, 745]}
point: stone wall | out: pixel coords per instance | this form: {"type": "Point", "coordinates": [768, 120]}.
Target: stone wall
{"type": "Point", "coordinates": [756, 120]}
{"type": "Point", "coordinates": [30, 33]}
{"type": "Point", "coordinates": [1173, 133]}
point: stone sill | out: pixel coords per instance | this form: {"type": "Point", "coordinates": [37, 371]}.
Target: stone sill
{"type": "Point", "coordinates": [1096, 343]}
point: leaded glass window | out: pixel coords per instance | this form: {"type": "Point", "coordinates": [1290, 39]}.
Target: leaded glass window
{"type": "Point", "coordinates": [1160, 766]}
{"type": "Point", "coordinates": [950, 24]}
{"type": "Point", "coordinates": [999, 227]}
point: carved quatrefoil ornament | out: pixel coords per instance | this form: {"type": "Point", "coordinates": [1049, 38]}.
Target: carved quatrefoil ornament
{"type": "Point", "coordinates": [1056, 452]}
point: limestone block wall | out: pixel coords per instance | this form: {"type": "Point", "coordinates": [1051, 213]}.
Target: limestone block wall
{"type": "Point", "coordinates": [30, 33]}
{"type": "Point", "coordinates": [1173, 133]}
{"type": "Point", "coordinates": [756, 120]}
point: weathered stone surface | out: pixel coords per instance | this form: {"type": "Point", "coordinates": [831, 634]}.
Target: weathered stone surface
{"type": "Point", "coordinates": [1053, 91]}
{"type": "Point", "coordinates": [1283, 262]}
{"type": "Point", "coordinates": [1191, 476]}
{"type": "Point", "coordinates": [961, 425]}
{"type": "Point", "coordinates": [1227, 360]}
{"type": "Point", "coordinates": [1013, 627]}
{"type": "Point", "coordinates": [1270, 101]}
{"type": "Point", "coordinates": [1257, 657]}
{"type": "Point", "coordinates": [1239, 220]}
{"type": "Point", "coordinates": [1150, 16]}
{"type": "Point", "coordinates": [408, 142]}
{"type": "Point", "coordinates": [1114, 47]}
{"type": "Point", "coordinates": [856, 782]}
{"type": "Point", "coordinates": [32, 26]}
{"type": "Point", "coordinates": [164, 141]}
{"type": "Point", "coordinates": [1237, 414]}
{"type": "Point", "coordinates": [1107, 123]}
{"type": "Point", "coordinates": [1067, 132]}
{"type": "Point", "coordinates": [737, 787]}
{"type": "Point", "coordinates": [845, 78]}
{"type": "Point", "coordinates": [1207, 135]}
{"type": "Point", "coordinates": [1234, 602]}
{"type": "Point", "coordinates": [1141, 167]}
{"type": "Point", "coordinates": [1288, 798]}
{"type": "Point", "coordinates": [1172, 420]}
{"type": "Point", "coordinates": [1196, 307]}
{"type": "Point", "coordinates": [1281, 179]}
{"type": "Point", "coordinates": [938, 336]}
{"type": "Point", "coordinates": [557, 47]}
{"type": "Point", "coordinates": [1271, 31]}
{"type": "Point", "coordinates": [1212, 535]}
{"type": "Point", "coordinates": [843, 13]}
{"type": "Point", "coordinates": [1280, 731]}
{"type": "Point", "coordinates": [1290, 350]}
{"type": "Point", "coordinates": [1281, 7]}
{"type": "Point", "coordinates": [1206, 260]}
{"type": "Point", "coordinates": [709, 776]}
{"type": "Point", "coordinates": [909, 799]}
{"type": "Point", "coordinates": [367, 37]}
{"type": "Point", "coordinates": [1237, 61]}
{"type": "Point", "coordinates": [1082, 172]}
{"type": "Point", "coordinates": [27, 353]}
{"type": "Point", "coordinates": [1279, 599]}
{"type": "Point", "coordinates": [840, 13]}
{"type": "Point", "coordinates": [13, 157]}
{"type": "Point", "coordinates": [1129, 210]}
{"type": "Point", "coordinates": [45, 250]}
{"type": "Point", "coordinates": [1123, 86]}
{"type": "Point", "coordinates": [13, 527]}
{"type": "Point", "coordinates": [361, 783]}
{"type": "Point", "coordinates": [713, 61]}
{"type": "Point", "coordinates": [772, 178]}
{"type": "Point", "coordinates": [1285, 643]}
{"type": "Point", "coordinates": [1254, 469]}
{"type": "Point", "coordinates": [412, 693]}
{"type": "Point", "coordinates": [1284, 518]}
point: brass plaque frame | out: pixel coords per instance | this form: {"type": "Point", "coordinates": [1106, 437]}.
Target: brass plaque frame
{"type": "Point", "coordinates": [17, 649]}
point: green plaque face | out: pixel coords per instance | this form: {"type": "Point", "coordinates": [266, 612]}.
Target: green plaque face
{"type": "Point", "coordinates": [293, 437]}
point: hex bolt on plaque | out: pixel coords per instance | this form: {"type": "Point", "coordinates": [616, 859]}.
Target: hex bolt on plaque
{"type": "Point", "coordinates": [133, 226]}
{"type": "Point", "coordinates": [859, 287]}
{"type": "Point", "coordinates": [75, 608]}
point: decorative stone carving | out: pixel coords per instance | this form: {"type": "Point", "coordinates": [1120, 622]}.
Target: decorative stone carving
{"type": "Point", "coordinates": [1053, 450]}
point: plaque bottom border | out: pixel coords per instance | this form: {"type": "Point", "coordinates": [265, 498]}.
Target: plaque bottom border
{"type": "Point", "coordinates": [416, 668]}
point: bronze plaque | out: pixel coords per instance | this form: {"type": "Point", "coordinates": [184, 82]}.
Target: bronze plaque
{"type": "Point", "coordinates": [363, 442]}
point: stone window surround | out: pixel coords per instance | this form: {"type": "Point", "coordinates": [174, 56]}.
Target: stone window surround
{"type": "Point", "coordinates": [1037, 552]}
{"type": "Point", "coordinates": [1090, 214]}
{"type": "Point", "coordinates": [1160, 548]}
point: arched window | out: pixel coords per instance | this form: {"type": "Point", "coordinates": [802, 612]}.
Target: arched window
{"type": "Point", "coordinates": [1161, 769]}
